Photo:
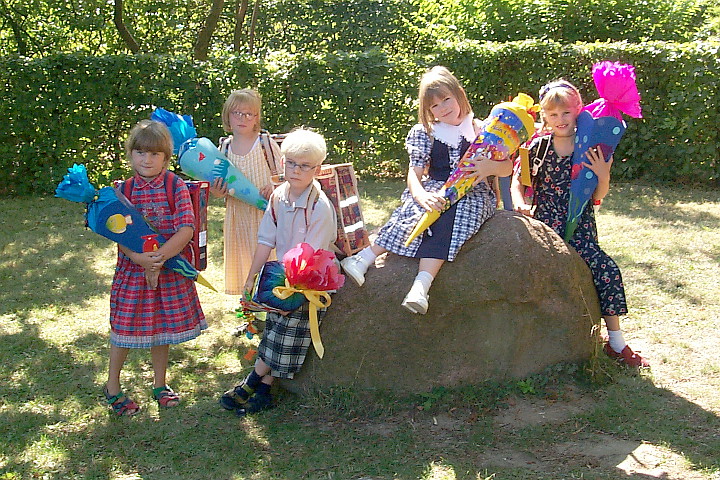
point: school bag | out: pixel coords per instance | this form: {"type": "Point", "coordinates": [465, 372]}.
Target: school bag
{"type": "Point", "coordinates": [196, 250]}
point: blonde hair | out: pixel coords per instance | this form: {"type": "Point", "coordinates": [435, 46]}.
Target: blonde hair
{"type": "Point", "coordinates": [560, 93]}
{"type": "Point", "coordinates": [439, 82]}
{"type": "Point", "coordinates": [150, 136]}
{"type": "Point", "coordinates": [305, 143]}
{"type": "Point", "coordinates": [239, 98]}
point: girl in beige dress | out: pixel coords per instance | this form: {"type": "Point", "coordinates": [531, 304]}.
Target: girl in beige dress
{"type": "Point", "coordinates": [257, 156]}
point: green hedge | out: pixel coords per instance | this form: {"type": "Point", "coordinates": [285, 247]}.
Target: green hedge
{"type": "Point", "coordinates": [67, 108]}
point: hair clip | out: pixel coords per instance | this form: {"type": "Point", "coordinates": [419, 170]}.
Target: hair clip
{"type": "Point", "coordinates": [557, 84]}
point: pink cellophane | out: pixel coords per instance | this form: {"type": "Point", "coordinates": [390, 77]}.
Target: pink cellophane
{"type": "Point", "coordinates": [615, 83]}
{"type": "Point", "coordinates": [312, 269]}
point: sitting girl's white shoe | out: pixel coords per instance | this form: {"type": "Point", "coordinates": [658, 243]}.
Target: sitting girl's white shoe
{"type": "Point", "coordinates": [355, 268]}
{"type": "Point", "coordinates": [416, 301]}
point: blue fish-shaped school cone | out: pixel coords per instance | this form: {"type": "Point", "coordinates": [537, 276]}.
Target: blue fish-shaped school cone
{"type": "Point", "coordinates": [600, 125]}
{"type": "Point", "coordinates": [508, 126]}
{"type": "Point", "coordinates": [200, 159]}
{"type": "Point", "coordinates": [112, 215]}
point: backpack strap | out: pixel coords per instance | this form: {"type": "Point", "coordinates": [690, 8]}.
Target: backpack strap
{"type": "Point", "coordinates": [540, 154]}
{"type": "Point", "coordinates": [268, 151]}
{"type": "Point", "coordinates": [170, 181]}
{"type": "Point", "coordinates": [313, 198]}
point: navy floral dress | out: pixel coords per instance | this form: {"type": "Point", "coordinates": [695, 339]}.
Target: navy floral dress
{"type": "Point", "coordinates": [552, 196]}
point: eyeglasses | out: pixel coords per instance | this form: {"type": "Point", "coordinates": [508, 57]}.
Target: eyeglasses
{"type": "Point", "coordinates": [241, 115]}
{"type": "Point", "coordinates": [290, 165]}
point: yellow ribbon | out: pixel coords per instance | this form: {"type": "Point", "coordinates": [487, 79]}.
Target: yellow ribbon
{"type": "Point", "coordinates": [317, 299]}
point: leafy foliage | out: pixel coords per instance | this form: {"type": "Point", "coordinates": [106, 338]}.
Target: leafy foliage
{"type": "Point", "coordinates": [42, 27]}
{"type": "Point", "coordinates": [70, 108]}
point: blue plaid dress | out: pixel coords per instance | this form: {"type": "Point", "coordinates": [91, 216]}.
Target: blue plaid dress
{"type": "Point", "coordinates": [456, 225]}
{"type": "Point", "coordinates": [552, 194]}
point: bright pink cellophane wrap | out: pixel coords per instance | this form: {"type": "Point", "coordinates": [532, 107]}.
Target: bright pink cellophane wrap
{"type": "Point", "coordinates": [615, 83]}
{"type": "Point", "coordinates": [312, 269]}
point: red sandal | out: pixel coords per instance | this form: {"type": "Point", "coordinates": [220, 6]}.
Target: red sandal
{"type": "Point", "coordinates": [121, 404]}
{"type": "Point", "coordinates": [165, 397]}
{"type": "Point", "coordinates": [627, 356]}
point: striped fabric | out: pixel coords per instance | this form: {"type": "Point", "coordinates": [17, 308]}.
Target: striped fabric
{"type": "Point", "coordinates": [242, 220]}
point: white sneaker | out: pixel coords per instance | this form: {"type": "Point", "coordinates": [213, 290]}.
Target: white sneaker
{"type": "Point", "coordinates": [354, 268]}
{"type": "Point", "coordinates": [416, 301]}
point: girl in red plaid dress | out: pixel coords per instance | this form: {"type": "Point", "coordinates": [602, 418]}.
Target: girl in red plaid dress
{"type": "Point", "coordinates": [152, 307]}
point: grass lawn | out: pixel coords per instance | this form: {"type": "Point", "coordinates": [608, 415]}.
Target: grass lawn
{"type": "Point", "coordinates": [664, 423]}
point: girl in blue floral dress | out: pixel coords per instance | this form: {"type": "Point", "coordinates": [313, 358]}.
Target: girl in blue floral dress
{"type": "Point", "coordinates": [551, 176]}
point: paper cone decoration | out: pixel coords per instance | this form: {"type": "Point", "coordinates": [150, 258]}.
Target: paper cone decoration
{"type": "Point", "coordinates": [200, 159]}
{"type": "Point", "coordinates": [181, 127]}
{"type": "Point", "coordinates": [304, 274]}
{"type": "Point", "coordinates": [112, 215]}
{"type": "Point", "coordinates": [508, 126]}
{"type": "Point", "coordinates": [600, 124]}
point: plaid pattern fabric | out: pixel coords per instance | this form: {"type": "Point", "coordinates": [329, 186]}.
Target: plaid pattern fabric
{"type": "Point", "coordinates": [139, 316]}
{"type": "Point", "coordinates": [285, 341]}
{"type": "Point", "coordinates": [472, 210]}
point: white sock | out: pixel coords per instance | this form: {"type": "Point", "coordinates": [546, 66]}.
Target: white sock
{"type": "Point", "coordinates": [423, 281]}
{"type": "Point", "coordinates": [366, 256]}
{"type": "Point", "coordinates": [616, 340]}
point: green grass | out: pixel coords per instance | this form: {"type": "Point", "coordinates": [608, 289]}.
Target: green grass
{"type": "Point", "coordinates": [55, 281]}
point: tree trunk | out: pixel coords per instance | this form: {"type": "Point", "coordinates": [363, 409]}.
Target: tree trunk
{"type": "Point", "coordinates": [239, 21]}
{"type": "Point", "coordinates": [253, 22]}
{"type": "Point", "coordinates": [203, 40]}
{"type": "Point", "coordinates": [125, 34]}
{"type": "Point", "coordinates": [20, 41]}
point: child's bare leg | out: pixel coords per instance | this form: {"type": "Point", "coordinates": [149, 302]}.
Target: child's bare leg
{"type": "Point", "coordinates": [417, 298]}
{"type": "Point", "coordinates": [117, 360]}
{"type": "Point", "coordinates": [159, 356]}
{"type": "Point", "coordinates": [165, 396]}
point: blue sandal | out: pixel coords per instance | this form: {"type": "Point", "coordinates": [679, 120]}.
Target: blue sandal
{"type": "Point", "coordinates": [121, 404]}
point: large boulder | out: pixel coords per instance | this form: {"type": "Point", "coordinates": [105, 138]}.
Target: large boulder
{"type": "Point", "coordinates": [516, 300]}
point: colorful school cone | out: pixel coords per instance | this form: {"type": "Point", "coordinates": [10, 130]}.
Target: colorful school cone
{"type": "Point", "coordinates": [508, 126]}
{"type": "Point", "coordinates": [112, 215]}
{"type": "Point", "coordinates": [600, 125]}
{"type": "Point", "coordinates": [200, 159]}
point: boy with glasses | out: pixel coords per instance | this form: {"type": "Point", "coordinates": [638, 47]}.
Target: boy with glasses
{"type": "Point", "coordinates": [298, 211]}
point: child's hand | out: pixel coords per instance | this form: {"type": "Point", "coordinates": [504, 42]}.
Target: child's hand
{"type": "Point", "coordinates": [596, 162]}
{"type": "Point", "coordinates": [477, 169]}
{"type": "Point", "coordinates": [152, 277]}
{"type": "Point", "coordinates": [430, 201]}
{"type": "Point", "coordinates": [524, 208]}
{"type": "Point", "coordinates": [248, 288]}
{"type": "Point", "coordinates": [219, 188]}
{"type": "Point", "coordinates": [150, 261]}
{"type": "Point", "coordinates": [266, 191]}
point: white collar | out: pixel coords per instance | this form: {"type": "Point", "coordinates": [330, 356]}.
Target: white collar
{"type": "Point", "coordinates": [452, 135]}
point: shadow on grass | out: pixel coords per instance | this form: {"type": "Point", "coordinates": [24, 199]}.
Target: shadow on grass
{"type": "Point", "coordinates": [44, 256]}
{"type": "Point", "coordinates": [54, 423]}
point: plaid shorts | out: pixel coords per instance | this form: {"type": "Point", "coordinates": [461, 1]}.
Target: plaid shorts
{"type": "Point", "coordinates": [285, 341]}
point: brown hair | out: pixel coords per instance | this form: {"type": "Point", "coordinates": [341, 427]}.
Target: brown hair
{"type": "Point", "coordinates": [436, 83]}
{"type": "Point", "coordinates": [246, 97]}
{"type": "Point", "coordinates": [150, 136]}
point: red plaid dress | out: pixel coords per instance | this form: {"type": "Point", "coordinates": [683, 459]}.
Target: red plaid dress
{"type": "Point", "coordinates": [139, 316]}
